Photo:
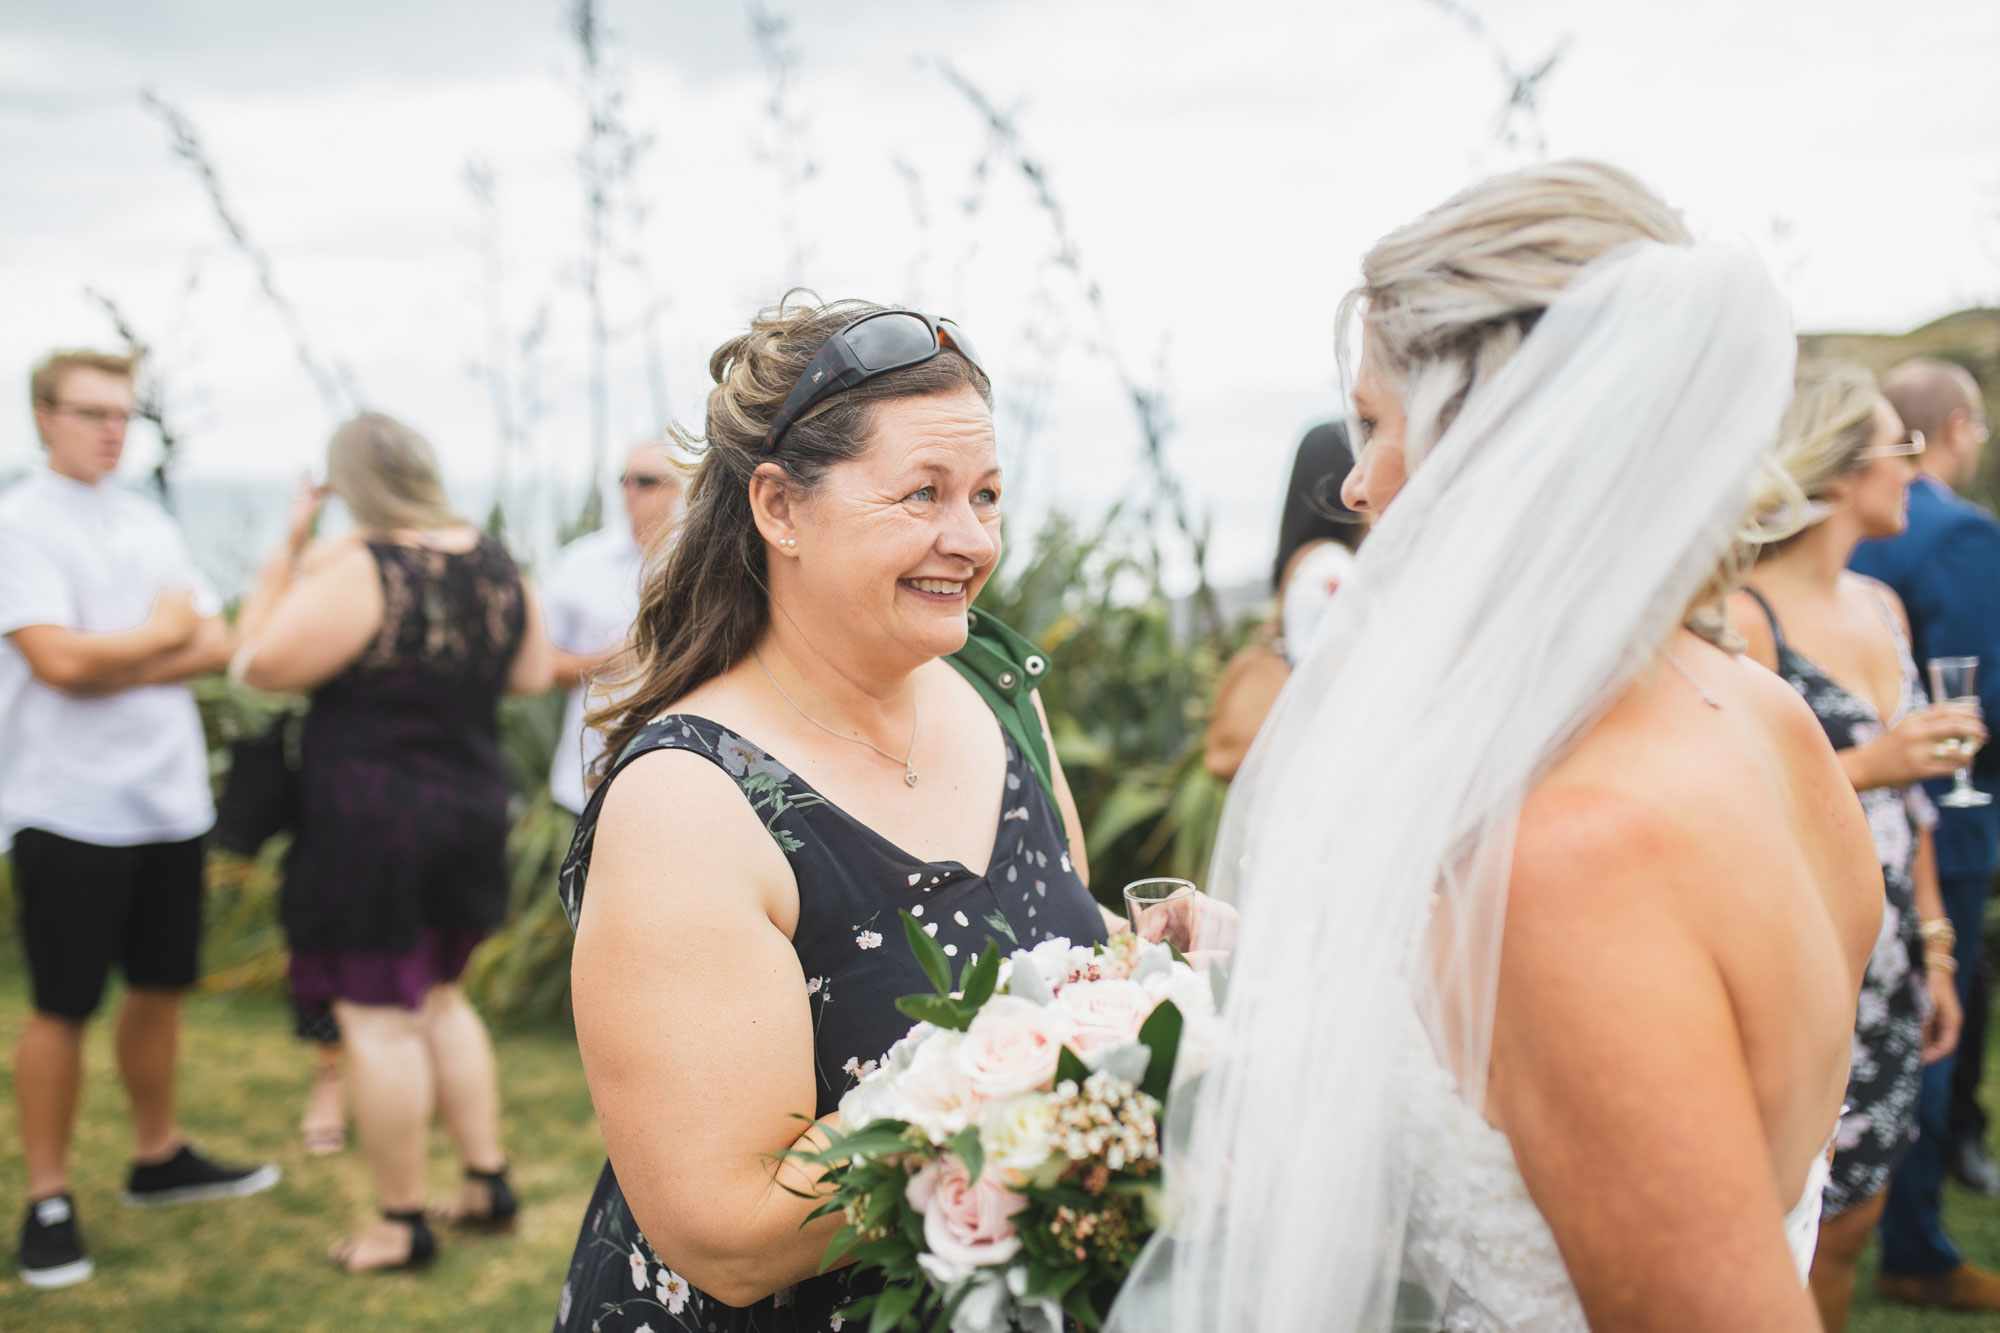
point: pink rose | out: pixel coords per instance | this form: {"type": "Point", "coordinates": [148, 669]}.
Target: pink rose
{"type": "Point", "coordinates": [1012, 1047]}
{"type": "Point", "coordinates": [966, 1222]}
{"type": "Point", "coordinates": [1103, 1012]}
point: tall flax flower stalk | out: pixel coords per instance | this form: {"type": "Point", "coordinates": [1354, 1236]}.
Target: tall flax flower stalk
{"type": "Point", "coordinates": [1148, 399]}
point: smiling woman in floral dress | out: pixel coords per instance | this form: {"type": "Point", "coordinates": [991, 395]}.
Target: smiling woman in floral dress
{"type": "Point", "coordinates": [818, 734]}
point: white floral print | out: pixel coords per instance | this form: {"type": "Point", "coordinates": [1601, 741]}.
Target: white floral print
{"type": "Point", "coordinates": [673, 1290]}
{"type": "Point", "coordinates": [638, 1270]}
{"type": "Point", "coordinates": [869, 939]}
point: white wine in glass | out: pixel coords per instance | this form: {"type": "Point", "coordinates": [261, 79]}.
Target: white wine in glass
{"type": "Point", "coordinates": [1954, 680]}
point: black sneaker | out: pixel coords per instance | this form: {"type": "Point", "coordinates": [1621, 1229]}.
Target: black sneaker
{"type": "Point", "coordinates": [188, 1176]}
{"type": "Point", "coordinates": [51, 1251]}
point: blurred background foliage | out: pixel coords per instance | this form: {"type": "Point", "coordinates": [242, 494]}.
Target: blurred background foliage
{"type": "Point", "coordinates": [1132, 676]}
{"type": "Point", "coordinates": [1132, 671]}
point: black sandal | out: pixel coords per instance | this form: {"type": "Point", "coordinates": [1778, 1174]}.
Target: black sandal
{"type": "Point", "coordinates": [502, 1207]}
{"type": "Point", "coordinates": [423, 1245]}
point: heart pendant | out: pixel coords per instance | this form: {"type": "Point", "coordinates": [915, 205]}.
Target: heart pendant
{"type": "Point", "coordinates": [910, 777]}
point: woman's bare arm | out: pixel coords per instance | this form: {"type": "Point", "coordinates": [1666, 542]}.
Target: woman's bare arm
{"type": "Point", "coordinates": [533, 668]}
{"type": "Point", "coordinates": [695, 1029]}
{"type": "Point", "coordinates": [1619, 1076]}
{"type": "Point", "coordinates": [304, 632]}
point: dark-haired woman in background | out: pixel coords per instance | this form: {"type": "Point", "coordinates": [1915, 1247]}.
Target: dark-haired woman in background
{"type": "Point", "coordinates": [1317, 536]}
{"type": "Point", "coordinates": [796, 763]}
{"type": "Point", "coordinates": [406, 633]}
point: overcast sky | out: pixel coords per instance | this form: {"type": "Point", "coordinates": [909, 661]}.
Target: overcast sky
{"type": "Point", "coordinates": [1220, 166]}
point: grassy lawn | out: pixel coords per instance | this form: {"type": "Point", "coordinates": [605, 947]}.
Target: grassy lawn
{"type": "Point", "coordinates": [259, 1263]}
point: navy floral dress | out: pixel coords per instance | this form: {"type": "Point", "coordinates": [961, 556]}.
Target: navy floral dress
{"type": "Point", "coordinates": [852, 883]}
{"type": "Point", "coordinates": [1886, 1073]}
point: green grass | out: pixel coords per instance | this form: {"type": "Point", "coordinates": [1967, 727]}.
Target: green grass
{"type": "Point", "coordinates": [259, 1263]}
{"type": "Point", "coordinates": [1972, 1222]}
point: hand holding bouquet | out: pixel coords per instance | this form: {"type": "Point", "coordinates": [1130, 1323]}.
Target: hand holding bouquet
{"type": "Point", "coordinates": [1001, 1167]}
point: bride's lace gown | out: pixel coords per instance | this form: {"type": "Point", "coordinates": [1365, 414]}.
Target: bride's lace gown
{"type": "Point", "coordinates": [1474, 1233]}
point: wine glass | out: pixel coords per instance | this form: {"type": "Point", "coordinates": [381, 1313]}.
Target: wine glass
{"type": "Point", "coordinates": [1161, 909]}
{"type": "Point", "coordinates": [1954, 681]}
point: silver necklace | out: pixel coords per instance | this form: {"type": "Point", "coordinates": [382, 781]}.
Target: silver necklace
{"type": "Point", "coordinates": [909, 769]}
{"type": "Point", "coordinates": [1696, 685]}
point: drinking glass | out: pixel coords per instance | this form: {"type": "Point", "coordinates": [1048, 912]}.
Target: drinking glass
{"type": "Point", "coordinates": [1954, 680]}
{"type": "Point", "coordinates": [1161, 909]}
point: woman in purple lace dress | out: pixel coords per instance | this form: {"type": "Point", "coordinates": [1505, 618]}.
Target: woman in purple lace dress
{"type": "Point", "coordinates": [405, 633]}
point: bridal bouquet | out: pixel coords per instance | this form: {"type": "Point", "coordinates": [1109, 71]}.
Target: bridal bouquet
{"type": "Point", "coordinates": [1000, 1168]}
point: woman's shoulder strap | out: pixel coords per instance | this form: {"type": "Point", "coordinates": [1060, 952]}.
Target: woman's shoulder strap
{"type": "Point", "coordinates": [1005, 668]}
{"type": "Point", "coordinates": [1777, 631]}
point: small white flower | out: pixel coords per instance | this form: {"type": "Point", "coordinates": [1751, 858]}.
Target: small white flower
{"type": "Point", "coordinates": [869, 939]}
{"type": "Point", "coordinates": [643, 1328]}
{"type": "Point", "coordinates": [812, 987]}
{"type": "Point", "coordinates": [838, 1324]}
{"type": "Point", "coordinates": [960, 917]}
{"type": "Point", "coordinates": [562, 1306]}
{"type": "Point", "coordinates": [674, 1290]}
{"type": "Point", "coordinates": [638, 1270]}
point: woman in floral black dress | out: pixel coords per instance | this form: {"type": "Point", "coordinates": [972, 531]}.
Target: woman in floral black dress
{"type": "Point", "coordinates": [1842, 642]}
{"type": "Point", "coordinates": [817, 735]}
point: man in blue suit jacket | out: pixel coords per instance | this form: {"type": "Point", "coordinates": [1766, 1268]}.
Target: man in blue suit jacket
{"type": "Point", "coordinates": [1946, 568]}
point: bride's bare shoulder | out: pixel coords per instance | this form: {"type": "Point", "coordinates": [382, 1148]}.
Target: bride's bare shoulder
{"type": "Point", "coordinates": [1666, 790]}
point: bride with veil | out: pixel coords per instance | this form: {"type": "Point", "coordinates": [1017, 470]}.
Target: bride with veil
{"type": "Point", "coordinates": [1554, 910]}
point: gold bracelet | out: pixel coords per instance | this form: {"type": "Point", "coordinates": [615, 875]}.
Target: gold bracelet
{"type": "Point", "coordinates": [1939, 930]}
{"type": "Point", "coordinates": [1938, 962]}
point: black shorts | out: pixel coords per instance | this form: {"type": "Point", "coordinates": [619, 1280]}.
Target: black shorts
{"type": "Point", "coordinates": [86, 906]}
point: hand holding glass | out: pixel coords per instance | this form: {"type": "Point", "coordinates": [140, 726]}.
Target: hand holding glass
{"type": "Point", "coordinates": [1955, 680]}
{"type": "Point", "coordinates": [1177, 913]}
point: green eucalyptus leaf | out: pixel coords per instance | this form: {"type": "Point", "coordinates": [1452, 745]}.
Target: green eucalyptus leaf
{"type": "Point", "coordinates": [935, 1009]}
{"type": "Point", "coordinates": [891, 1306]}
{"type": "Point", "coordinates": [930, 957]}
{"type": "Point", "coordinates": [1070, 1065]}
{"type": "Point", "coordinates": [976, 986]}
{"type": "Point", "coordinates": [1161, 1034]}
{"type": "Point", "coordinates": [966, 1144]}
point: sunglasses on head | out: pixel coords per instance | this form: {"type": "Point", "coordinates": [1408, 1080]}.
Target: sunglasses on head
{"type": "Point", "coordinates": [872, 345]}
{"type": "Point", "coordinates": [1909, 446]}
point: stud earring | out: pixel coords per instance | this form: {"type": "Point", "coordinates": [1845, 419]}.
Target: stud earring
{"type": "Point", "coordinates": [789, 543]}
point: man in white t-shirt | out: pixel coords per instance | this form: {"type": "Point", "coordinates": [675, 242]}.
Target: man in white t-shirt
{"type": "Point", "coordinates": [591, 598]}
{"type": "Point", "coordinates": [104, 795]}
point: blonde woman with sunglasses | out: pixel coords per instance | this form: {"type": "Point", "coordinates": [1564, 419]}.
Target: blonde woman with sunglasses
{"type": "Point", "coordinates": [1842, 641]}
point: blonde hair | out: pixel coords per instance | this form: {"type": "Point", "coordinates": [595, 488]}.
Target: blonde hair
{"type": "Point", "coordinates": [1826, 430]}
{"type": "Point", "coordinates": [1446, 300]}
{"type": "Point", "coordinates": [387, 476]}
{"type": "Point", "coordinates": [45, 380]}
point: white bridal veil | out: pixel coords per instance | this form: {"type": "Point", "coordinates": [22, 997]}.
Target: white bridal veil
{"type": "Point", "coordinates": [1528, 572]}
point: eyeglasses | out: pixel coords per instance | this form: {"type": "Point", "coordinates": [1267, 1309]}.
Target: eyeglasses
{"type": "Point", "coordinates": [644, 481]}
{"type": "Point", "coordinates": [872, 345]}
{"type": "Point", "coordinates": [1908, 447]}
{"type": "Point", "coordinates": [96, 416]}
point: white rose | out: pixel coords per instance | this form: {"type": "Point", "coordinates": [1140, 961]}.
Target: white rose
{"type": "Point", "coordinates": [1019, 1133]}
{"type": "Point", "coordinates": [934, 1090]}
{"type": "Point", "coordinates": [1052, 958]}
{"type": "Point", "coordinates": [1191, 991]}
{"type": "Point", "coordinates": [1103, 1012]}
{"type": "Point", "coordinates": [873, 1098]}
{"type": "Point", "coordinates": [1012, 1046]}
